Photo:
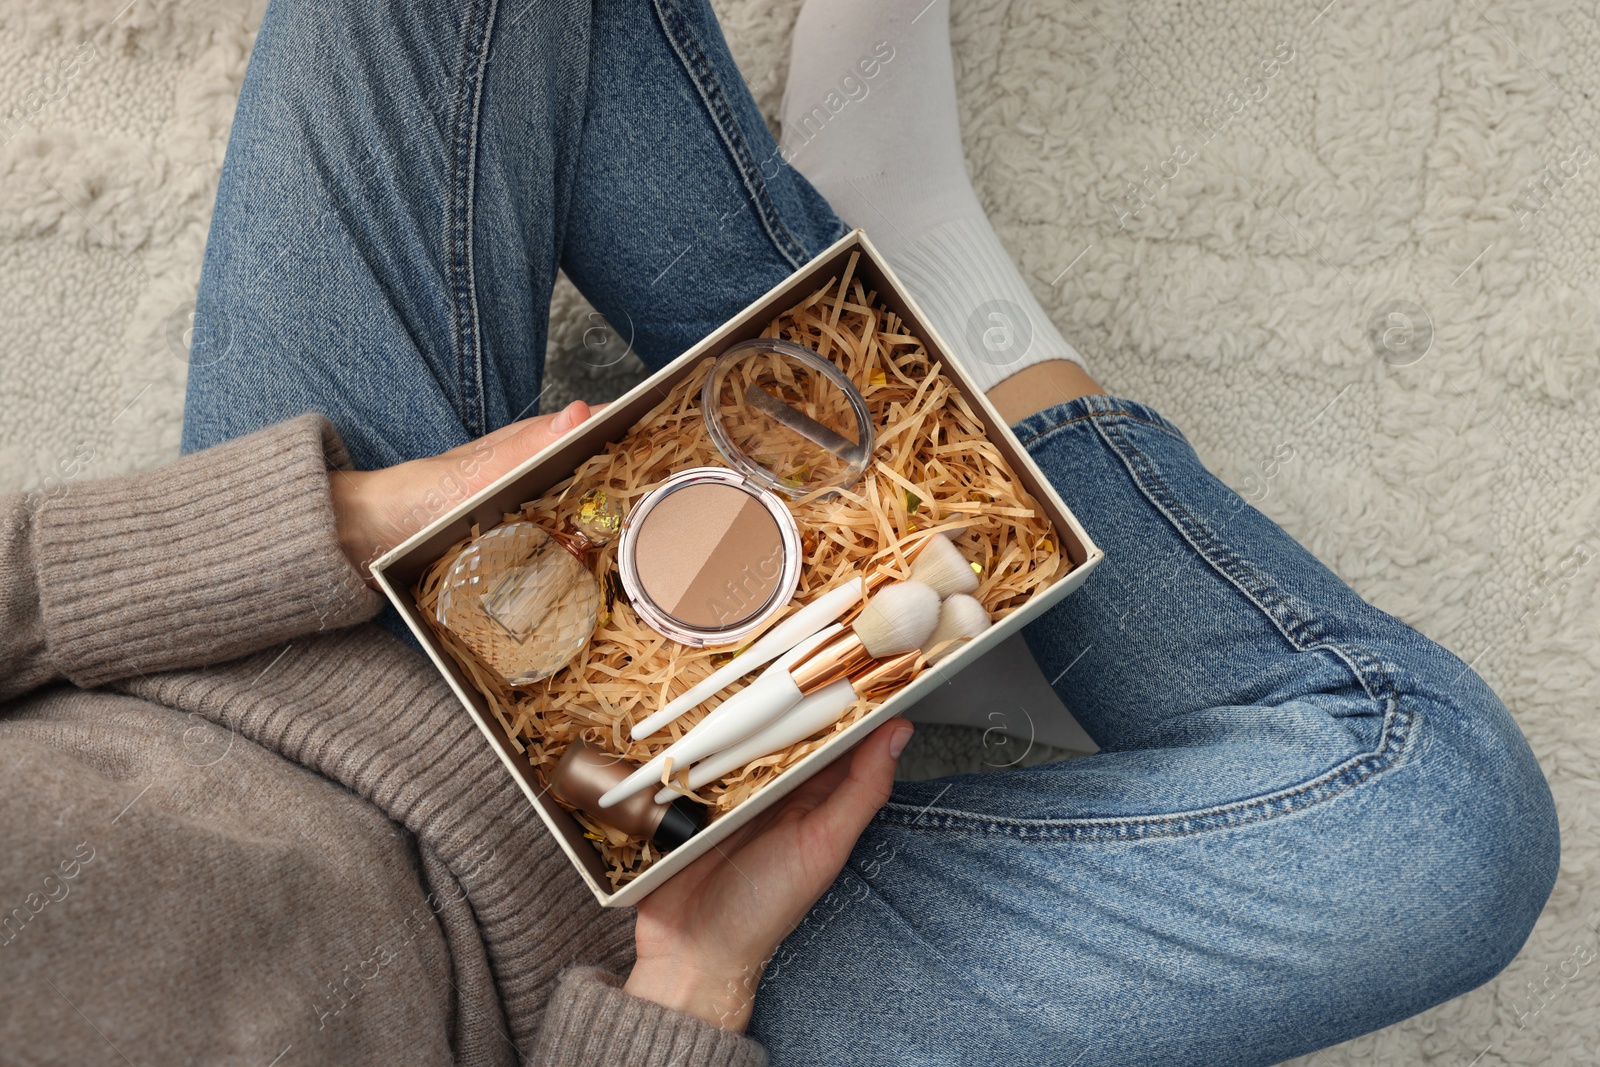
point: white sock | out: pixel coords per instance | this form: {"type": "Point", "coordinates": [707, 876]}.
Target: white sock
{"type": "Point", "coordinates": [869, 117]}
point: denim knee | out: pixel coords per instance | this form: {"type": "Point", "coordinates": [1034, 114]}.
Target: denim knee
{"type": "Point", "coordinates": [1523, 859]}
{"type": "Point", "coordinates": [1484, 877]}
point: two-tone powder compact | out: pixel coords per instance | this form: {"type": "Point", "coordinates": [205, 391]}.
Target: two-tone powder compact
{"type": "Point", "coordinates": [711, 553]}
{"type": "Point", "coordinates": [708, 557]}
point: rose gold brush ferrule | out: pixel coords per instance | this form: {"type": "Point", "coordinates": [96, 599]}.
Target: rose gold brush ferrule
{"type": "Point", "coordinates": [840, 658]}
{"type": "Point", "coordinates": [845, 656]}
{"type": "Point", "coordinates": [887, 674]}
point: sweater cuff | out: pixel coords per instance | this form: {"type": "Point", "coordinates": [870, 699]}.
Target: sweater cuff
{"type": "Point", "coordinates": [591, 1020]}
{"type": "Point", "coordinates": [217, 555]}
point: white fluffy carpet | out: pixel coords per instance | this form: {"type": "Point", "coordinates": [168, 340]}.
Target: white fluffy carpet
{"type": "Point", "coordinates": [1438, 154]}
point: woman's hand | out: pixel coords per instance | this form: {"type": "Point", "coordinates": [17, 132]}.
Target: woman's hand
{"type": "Point", "coordinates": [376, 510]}
{"type": "Point", "coordinates": [704, 937]}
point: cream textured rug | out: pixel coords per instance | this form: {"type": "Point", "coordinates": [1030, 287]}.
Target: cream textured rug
{"type": "Point", "coordinates": [1213, 200]}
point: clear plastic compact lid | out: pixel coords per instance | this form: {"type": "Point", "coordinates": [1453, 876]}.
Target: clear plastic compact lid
{"type": "Point", "coordinates": [786, 418]}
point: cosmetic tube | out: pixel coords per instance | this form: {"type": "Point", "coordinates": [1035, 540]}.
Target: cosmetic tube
{"type": "Point", "coordinates": [585, 772]}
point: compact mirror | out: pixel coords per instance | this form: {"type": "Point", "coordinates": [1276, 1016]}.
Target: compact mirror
{"type": "Point", "coordinates": [786, 418]}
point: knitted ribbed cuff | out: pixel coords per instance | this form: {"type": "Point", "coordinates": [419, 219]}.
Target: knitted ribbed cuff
{"type": "Point", "coordinates": [966, 282]}
{"type": "Point", "coordinates": [591, 1020]}
{"type": "Point", "coordinates": [220, 554]}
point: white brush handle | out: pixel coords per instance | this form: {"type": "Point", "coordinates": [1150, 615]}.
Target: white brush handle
{"type": "Point", "coordinates": [729, 722]}
{"type": "Point", "coordinates": [816, 712]}
{"type": "Point", "coordinates": [775, 642]}
{"type": "Point", "coordinates": [770, 696]}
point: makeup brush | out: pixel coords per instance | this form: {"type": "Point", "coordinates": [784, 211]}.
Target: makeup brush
{"type": "Point", "coordinates": [814, 713]}
{"type": "Point", "coordinates": [961, 618]}
{"type": "Point", "coordinates": [826, 609]}
{"type": "Point", "coordinates": [941, 566]}
{"type": "Point", "coordinates": [898, 619]}
{"type": "Point", "coordinates": [722, 726]}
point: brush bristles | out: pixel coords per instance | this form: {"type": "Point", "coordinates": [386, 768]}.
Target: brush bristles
{"type": "Point", "coordinates": [898, 618]}
{"type": "Point", "coordinates": [941, 567]}
{"type": "Point", "coordinates": [961, 618]}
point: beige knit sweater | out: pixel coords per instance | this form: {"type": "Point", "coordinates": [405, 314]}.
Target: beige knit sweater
{"type": "Point", "coordinates": [238, 827]}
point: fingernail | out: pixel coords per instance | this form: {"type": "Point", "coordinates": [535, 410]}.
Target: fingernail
{"type": "Point", "coordinates": [568, 417]}
{"type": "Point", "coordinates": [898, 740]}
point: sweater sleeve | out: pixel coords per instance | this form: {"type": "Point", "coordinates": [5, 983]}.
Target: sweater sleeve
{"type": "Point", "coordinates": [216, 555]}
{"type": "Point", "coordinates": [590, 1020]}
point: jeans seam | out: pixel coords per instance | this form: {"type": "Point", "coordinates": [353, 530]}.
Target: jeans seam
{"type": "Point", "coordinates": [1367, 670]}
{"type": "Point", "coordinates": [1053, 427]}
{"type": "Point", "coordinates": [721, 114]}
{"type": "Point", "coordinates": [1303, 635]}
{"type": "Point", "coordinates": [1219, 817]}
{"type": "Point", "coordinates": [463, 159]}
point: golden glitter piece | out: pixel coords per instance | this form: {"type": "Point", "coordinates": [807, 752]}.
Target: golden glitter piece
{"type": "Point", "coordinates": [598, 518]}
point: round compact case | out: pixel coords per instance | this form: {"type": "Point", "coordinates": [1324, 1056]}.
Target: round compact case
{"type": "Point", "coordinates": [711, 553]}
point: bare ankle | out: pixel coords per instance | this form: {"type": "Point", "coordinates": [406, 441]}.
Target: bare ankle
{"type": "Point", "coordinates": [1041, 385]}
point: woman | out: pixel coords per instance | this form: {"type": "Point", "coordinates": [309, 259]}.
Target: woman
{"type": "Point", "coordinates": [258, 830]}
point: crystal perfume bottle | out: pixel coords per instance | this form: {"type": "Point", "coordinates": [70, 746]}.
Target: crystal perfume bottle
{"type": "Point", "coordinates": [525, 599]}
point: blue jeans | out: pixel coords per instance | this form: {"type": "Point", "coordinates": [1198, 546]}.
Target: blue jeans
{"type": "Point", "coordinates": [1307, 820]}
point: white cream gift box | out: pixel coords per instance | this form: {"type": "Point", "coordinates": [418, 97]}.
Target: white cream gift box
{"type": "Point", "coordinates": [398, 570]}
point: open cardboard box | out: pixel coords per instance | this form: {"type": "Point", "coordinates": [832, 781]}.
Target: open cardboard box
{"type": "Point", "coordinates": [398, 570]}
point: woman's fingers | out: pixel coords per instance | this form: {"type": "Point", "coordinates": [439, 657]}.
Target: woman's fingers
{"type": "Point", "coordinates": [719, 921]}
{"type": "Point", "coordinates": [846, 810]}
{"type": "Point", "coordinates": [510, 445]}
{"type": "Point", "coordinates": [376, 510]}
{"type": "Point", "coordinates": [569, 417]}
